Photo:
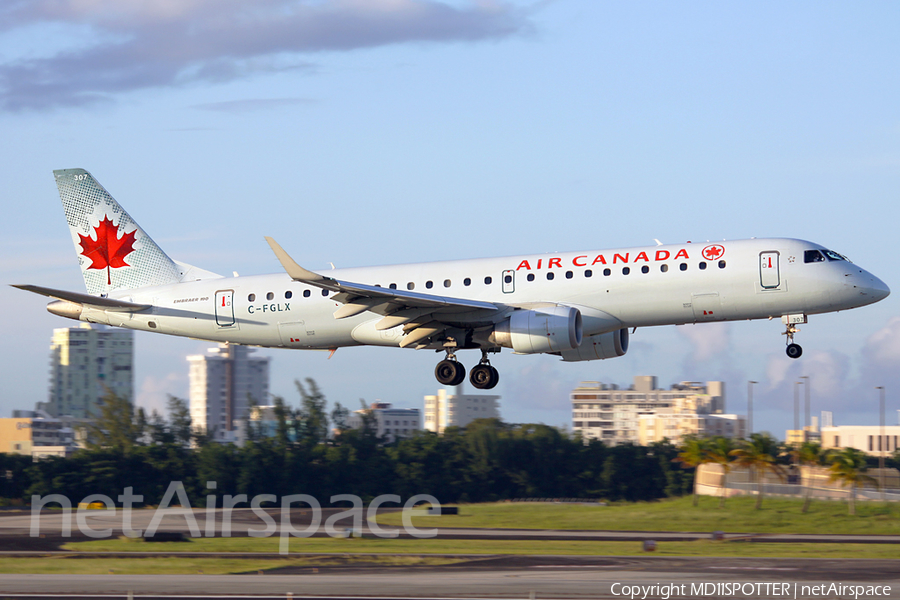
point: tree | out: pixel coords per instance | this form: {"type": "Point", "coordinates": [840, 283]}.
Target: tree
{"type": "Point", "coordinates": [180, 421]}
{"type": "Point", "coordinates": [312, 413]}
{"type": "Point", "coordinates": [692, 455]}
{"type": "Point", "coordinates": [718, 451]}
{"type": "Point", "coordinates": [340, 417]}
{"type": "Point", "coordinates": [759, 454]}
{"type": "Point", "coordinates": [118, 427]}
{"type": "Point", "coordinates": [848, 466]}
{"type": "Point", "coordinates": [811, 454]}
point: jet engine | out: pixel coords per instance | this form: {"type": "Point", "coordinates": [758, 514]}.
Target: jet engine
{"type": "Point", "coordinates": [600, 346]}
{"type": "Point", "coordinates": [552, 329]}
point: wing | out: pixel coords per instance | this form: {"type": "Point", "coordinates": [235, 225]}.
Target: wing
{"type": "Point", "coordinates": [85, 299]}
{"type": "Point", "coordinates": [423, 316]}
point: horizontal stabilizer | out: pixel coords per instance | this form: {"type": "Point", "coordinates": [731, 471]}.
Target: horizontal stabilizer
{"type": "Point", "coordinates": [85, 299]}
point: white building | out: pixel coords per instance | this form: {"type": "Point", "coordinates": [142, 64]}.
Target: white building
{"type": "Point", "coordinates": [390, 423]}
{"type": "Point", "coordinates": [222, 384]}
{"type": "Point", "coordinates": [451, 410]}
{"type": "Point", "coordinates": [86, 363]}
{"type": "Point", "coordinates": [868, 438]}
{"type": "Point", "coordinates": [614, 416]}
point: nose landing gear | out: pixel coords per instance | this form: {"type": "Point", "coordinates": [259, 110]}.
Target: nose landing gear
{"type": "Point", "coordinates": [791, 321]}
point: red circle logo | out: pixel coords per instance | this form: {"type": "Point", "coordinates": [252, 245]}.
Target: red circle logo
{"type": "Point", "coordinates": [713, 252]}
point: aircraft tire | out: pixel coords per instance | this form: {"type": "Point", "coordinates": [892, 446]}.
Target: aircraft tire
{"type": "Point", "coordinates": [449, 372]}
{"type": "Point", "coordinates": [794, 351]}
{"type": "Point", "coordinates": [481, 376]}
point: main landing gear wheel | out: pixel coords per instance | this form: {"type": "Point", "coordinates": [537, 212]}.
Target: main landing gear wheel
{"type": "Point", "coordinates": [484, 376]}
{"type": "Point", "coordinates": [794, 350]}
{"type": "Point", "coordinates": [449, 372]}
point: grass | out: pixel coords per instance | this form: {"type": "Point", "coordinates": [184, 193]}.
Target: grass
{"type": "Point", "coordinates": [777, 515]}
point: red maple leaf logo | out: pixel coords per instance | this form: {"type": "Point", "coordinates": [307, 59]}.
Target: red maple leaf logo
{"type": "Point", "coordinates": [109, 250]}
{"type": "Point", "coordinates": [713, 252]}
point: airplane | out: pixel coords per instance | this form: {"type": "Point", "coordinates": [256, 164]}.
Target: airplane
{"type": "Point", "coordinates": [575, 305]}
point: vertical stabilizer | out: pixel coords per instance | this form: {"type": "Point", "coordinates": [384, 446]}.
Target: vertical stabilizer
{"type": "Point", "coordinates": [113, 250]}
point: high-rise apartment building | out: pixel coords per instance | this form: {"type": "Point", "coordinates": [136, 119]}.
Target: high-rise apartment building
{"type": "Point", "coordinates": [86, 363]}
{"type": "Point", "coordinates": [643, 413]}
{"type": "Point", "coordinates": [223, 384]}
{"type": "Point", "coordinates": [458, 410]}
{"type": "Point", "coordinates": [389, 422]}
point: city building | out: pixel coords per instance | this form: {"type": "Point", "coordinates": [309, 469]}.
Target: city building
{"type": "Point", "coordinates": [458, 410]}
{"type": "Point", "coordinates": [827, 418]}
{"type": "Point", "coordinates": [644, 414]}
{"type": "Point", "coordinates": [390, 423]}
{"type": "Point", "coordinates": [86, 363]}
{"type": "Point", "coordinates": [38, 434]}
{"type": "Point", "coordinates": [224, 382]}
{"type": "Point", "coordinates": [871, 439]}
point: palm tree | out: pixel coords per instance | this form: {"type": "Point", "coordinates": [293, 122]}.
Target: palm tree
{"type": "Point", "coordinates": [692, 455]}
{"type": "Point", "coordinates": [719, 451]}
{"type": "Point", "coordinates": [758, 453]}
{"type": "Point", "coordinates": [848, 466]}
{"type": "Point", "coordinates": [811, 454]}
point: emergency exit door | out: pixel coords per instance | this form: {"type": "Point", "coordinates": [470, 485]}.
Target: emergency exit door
{"type": "Point", "coordinates": [769, 271]}
{"type": "Point", "coordinates": [509, 282]}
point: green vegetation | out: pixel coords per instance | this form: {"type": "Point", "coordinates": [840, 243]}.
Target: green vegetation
{"type": "Point", "coordinates": [779, 515]}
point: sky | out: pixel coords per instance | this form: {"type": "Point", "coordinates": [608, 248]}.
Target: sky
{"type": "Point", "coordinates": [364, 132]}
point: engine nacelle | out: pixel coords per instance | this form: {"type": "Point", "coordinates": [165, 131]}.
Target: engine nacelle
{"type": "Point", "coordinates": [600, 346]}
{"type": "Point", "coordinates": [552, 329]}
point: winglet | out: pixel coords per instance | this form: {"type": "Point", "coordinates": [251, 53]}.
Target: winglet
{"type": "Point", "coordinates": [296, 272]}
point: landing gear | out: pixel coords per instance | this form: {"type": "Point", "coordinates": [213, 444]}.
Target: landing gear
{"type": "Point", "coordinates": [483, 376]}
{"type": "Point", "coordinates": [449, 371]}
{"type": "Point", "coordinates": [793, 350]}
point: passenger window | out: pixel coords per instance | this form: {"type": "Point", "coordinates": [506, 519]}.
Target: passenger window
{"type": "Point", "coordinates": [251, 297]}
{"type": "Point", "coordinates": [467, 282]}
{"type": "Point", "coordinates": [270, 296]}
{"type": "Point", "coordinates": [410, 286]}
{"type": "Point", "coordinates": [288, 294]}
{"type": "Point", "coordinates": [588, 273]}
{"type": "Point", "coordinates": [446, 283]}
{"type": "Point", "coordinates": [306, 293]}
{"type": "Point", "coordinates": [813, 256]}
{"type": "Point", "coordinates": [664, 268]}
{"type": "Point", "coordinates": [683, 266]}
{"type": "Point", "coordinates": [569, 275]}
{"type": "Point", "coordinates": [607, 272]}
{"type": "Point", "coordinates": [702, 266]}
{"type": "Point", "coordinates": [429, 284]}
{"type": "Point", "coordinates": [721, 264]}
{"type": "Point", "coordinates": [550, 276]}
{"type": "Point", "coordinates": [645, 269]}
{"type": "Point", "coordinates": [324, 292]}
{"type": "Point", "coordinates": [508, 279]}
{"type": "Point", "coordinates": [393, 286]}
{"type": "Point", "coordinates": [487, 281]}
{"type": "Point", "coordinates": [531, 277]}
{"type": "Point", "coordinates": [626, 270]}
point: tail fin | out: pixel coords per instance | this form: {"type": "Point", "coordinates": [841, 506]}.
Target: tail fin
{"type": "Point", "coordinates": [113, 250]}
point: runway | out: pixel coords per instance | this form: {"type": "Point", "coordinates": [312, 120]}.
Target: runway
{"type": "Point", "coordinates": [539, 577]}
{"type": "Point", "coordinates": [502, 577]}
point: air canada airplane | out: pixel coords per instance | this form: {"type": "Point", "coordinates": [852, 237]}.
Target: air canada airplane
{"type": "Point", "coordinates": [576, 305]}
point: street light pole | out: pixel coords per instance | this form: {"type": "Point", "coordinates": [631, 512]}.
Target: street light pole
{"type": "Point", "coordinates": [750, 385]}
{"type": "Point", "coordinates": [881, 441]}
{"type": "Point", "coordinates": [806, 422]}
{"type": "Point", "coordinates": [797, 405]}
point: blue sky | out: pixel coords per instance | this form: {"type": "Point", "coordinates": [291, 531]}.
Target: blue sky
{"type": "Point", "coordinates": [384, 131]}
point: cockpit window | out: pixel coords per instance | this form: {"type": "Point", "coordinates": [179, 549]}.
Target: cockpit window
{"type": "Point", "coordinates": [811, 256]}
{"type": "Point", "coordinates": [832, 255]}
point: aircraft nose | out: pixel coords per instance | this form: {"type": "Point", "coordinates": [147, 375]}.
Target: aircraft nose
{"type": "Point", "coordinates": [871, 287]}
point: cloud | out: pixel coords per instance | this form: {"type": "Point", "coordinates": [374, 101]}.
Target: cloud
{"type": "Point", "coordinates": [242, 106]}
{"type": "Point", "coordinates": [142, 44]}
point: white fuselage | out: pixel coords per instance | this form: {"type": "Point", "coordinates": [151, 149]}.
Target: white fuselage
{"type": "Point", "coordinates": [631, 287]}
